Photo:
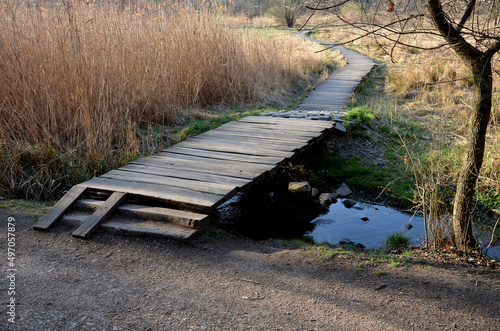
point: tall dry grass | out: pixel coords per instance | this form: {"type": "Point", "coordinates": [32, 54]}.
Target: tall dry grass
{"type": "Point", "coordinates": [244, 20]}
{"type": "Point", "coordinates": [82, 85]}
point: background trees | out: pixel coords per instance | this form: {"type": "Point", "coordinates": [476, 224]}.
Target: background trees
{"type": "Point", "coordinates": [287, 10]}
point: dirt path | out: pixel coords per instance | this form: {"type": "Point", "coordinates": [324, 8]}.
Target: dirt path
{"type": "Point", "coordinates": [119, 283]}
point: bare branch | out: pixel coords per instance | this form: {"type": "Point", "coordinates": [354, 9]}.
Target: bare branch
{"type": "Point", "coordinates": [493, 49]}
{"type": "Point", "coordinates": [466, 15]}
{"type": "Point", "coordinates": [448, 32]}
{"type": "Point", "coordinates": [329, 7]}
{"type": "Point", "coordinates": [310, 16]}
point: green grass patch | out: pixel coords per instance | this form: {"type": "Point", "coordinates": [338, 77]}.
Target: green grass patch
{"type": "Point", "coordinates": [397, 241]}
{"type": "Point", "coordinates": [360, 114]}
{"type": "Point", "coordinates": [367, 177]}
{"type": "Point", "coordinates": [32, 208]}
{"type": "Point", "coordinates": [488, 198]}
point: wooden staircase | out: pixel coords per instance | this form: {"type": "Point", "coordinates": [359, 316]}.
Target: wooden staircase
{"type": "Point", "coordinates": [105, 210]}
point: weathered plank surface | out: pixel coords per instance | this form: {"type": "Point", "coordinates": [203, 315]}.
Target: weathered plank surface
{"type": "Point", "coordinates": [157, 214]}
{"type": "Point", "coordinates": [186, 174]}
{"type": "Point", "coordinates": [226, 156]}
{"type": "Point", "coordinates": [55, 213]}
{"type": "Point", "coordinates": [229, 132]}
{"type": "Point", "coordinates": [194, 185]}
{"type": "Point", "coordinates": [100, 215]}
{"type": "Point", "coordinates": [202, 172]}
{"type": "Point", "coordinates": [136, 227]}
{"type": "Point", "coordinates": [180, 197]}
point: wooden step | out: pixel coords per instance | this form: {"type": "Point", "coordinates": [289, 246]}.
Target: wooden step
{"type": "Point", "coordinates": [157, 214]}
{"type": "Point", "coordinates": [134, 227]}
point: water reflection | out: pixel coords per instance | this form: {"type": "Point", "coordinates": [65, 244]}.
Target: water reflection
{"type": "Point", "coordinates": [369, 225]}
{"type": "Point", "coordinates": [365, 224]}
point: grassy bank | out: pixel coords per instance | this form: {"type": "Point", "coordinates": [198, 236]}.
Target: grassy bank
{"type": "Point", "coordinates": [85, 88]}
{"type": "Point", "coordinates": [421, 101]}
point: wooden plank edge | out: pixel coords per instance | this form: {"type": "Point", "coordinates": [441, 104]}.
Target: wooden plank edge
{"type": "Point", "coordinates": [54, 214]}
{"type": "Point", "coordinates": [134, 227]}
{"type": "Point", "coordinates": [88, 228]}
{"type": "Point", "coordinates": [156, 192]}
{"type": "Point", "coordinates": [159, 214]}
{"type": "Point", "coordinates": [222, 156]}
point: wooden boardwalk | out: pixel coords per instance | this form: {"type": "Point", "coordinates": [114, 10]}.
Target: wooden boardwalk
{"type": "Point", "coordinates": [334, 93]}
{"type": "Point", "coordinates": [176, 192]}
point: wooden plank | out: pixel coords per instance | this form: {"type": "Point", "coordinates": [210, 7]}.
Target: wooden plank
{"type": "Point", "coordinates": [320, 107]}
{"type": "Point", "coordinates": [194, 185]}
{"type": "Point", "coordinates": [225, 156]}
{"type": "Point", "coordinates": [275, 144]}
{"type": "Point", "coordinates": [227, 147]}
{"type": "Point", "coordinates": [261, 134]}
{"type": "Point", "coordinates": [246, 144]}
{"type": "Point", "coordinates": [290, 124]}
{"type": "Point", "coordinates": [175, 158]}
{"type": "Point", "coordinates": [292, 129]}
{"type": "Point", "coordinates": [209, 170]}
{"type": "Point", "coordinates": [200, 164]}
{"type": "Point", "coordinates": [136, 227]}
{"type": "Point", "coordinates": [326, 102]}
{"type": "Point", "coordinates": [269, 129]}
{"type": "Point", "coordinates": [150, 229]}
{"type": "Point", "coordinates": [90, 226]}
{"type": "Point", "coordinates": [160, 214]}
{"type": "Point", "coordinates": [287, 121]}
{"type": "Point", "coordinates": [182, 198]}
{"type": "Point", "coordinates": [55, 213]}
{"type": "Point", "coordinates": [186, 174]}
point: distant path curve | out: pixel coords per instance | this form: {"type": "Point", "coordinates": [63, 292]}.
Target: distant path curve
{"type": "Point", "coordinates": [329, 98]}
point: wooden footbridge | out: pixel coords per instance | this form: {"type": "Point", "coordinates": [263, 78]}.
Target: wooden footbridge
{"type": "Point", "coordinates": [176, 192]}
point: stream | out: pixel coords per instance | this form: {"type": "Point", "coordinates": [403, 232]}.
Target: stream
{"type": "Point", "coordinates": [369, 225]}
{"type": "Point", "coordinates": [280, 215]}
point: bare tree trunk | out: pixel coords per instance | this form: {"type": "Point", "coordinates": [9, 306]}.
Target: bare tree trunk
{"type": "Point", "coordinates": [469, 173]}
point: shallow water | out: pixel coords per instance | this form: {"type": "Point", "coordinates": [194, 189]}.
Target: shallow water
{"type": "Point", "coordinates": [366, 224]}
{"type": "Point", "coordinates": [369, 225]}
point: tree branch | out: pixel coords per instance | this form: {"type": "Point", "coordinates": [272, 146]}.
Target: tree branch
{"type": "Point", "coordinates": [466, 15]}
{"type": "Point", "coordinates": [448, 32]}
{"type": "Point", "coordinates": [329, 7]}
{"type": "Point", "coordinates": [493, 49]}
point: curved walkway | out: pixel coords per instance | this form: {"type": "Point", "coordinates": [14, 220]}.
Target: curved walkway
{"type": "Point", "coordinates": [329, 98]}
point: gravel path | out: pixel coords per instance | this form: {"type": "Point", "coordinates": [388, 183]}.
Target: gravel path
{"type": "Point", "coordinates": [119, 283]}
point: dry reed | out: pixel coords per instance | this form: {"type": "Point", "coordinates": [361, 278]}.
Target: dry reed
{"type": "Point", "coordinates": [82, 84]}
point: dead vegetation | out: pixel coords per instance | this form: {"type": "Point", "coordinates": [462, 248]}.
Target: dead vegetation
{"type": "Point", "coordinates": [87, 87]}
